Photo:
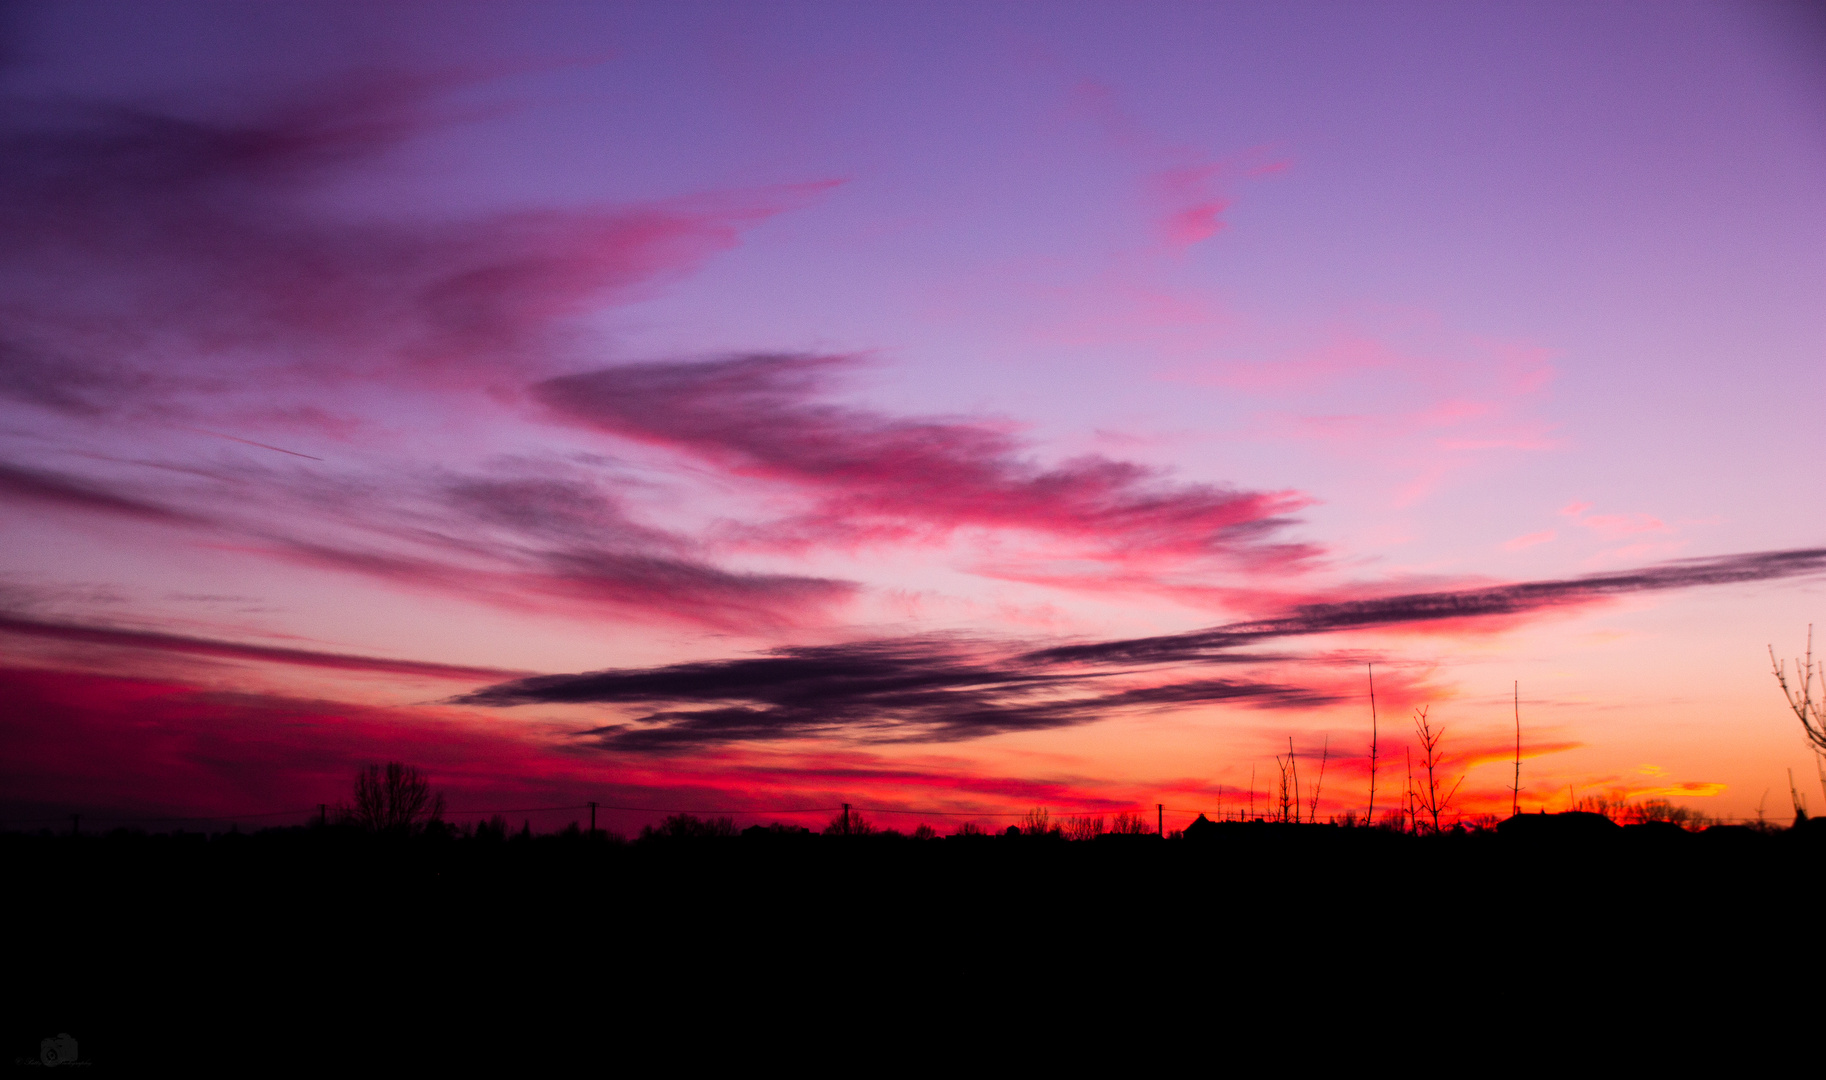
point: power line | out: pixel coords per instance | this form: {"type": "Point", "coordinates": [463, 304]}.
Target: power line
{"type": "Point", "coordinates": [729, 811]}
{"type": "Point", "coordinates": [523, 810]}
{"type": "Point", "coordinates": [167, 817]}
{"type": "Point", "coordinates": [984, 813]}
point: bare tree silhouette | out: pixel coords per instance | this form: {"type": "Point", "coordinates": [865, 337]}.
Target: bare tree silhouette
{"type": "Point", "coordinates": [1427, 798]}
{"type": "Point", "coordinates": [849, 823]}
{"type": "Point", "coordinates": [1127, 824]}
{"type": "Point", "coordinates": [1038, 822]}
{"type": "Point", "coordinates": [396, 798]}
{"type": "Point", "coordinates": [1289, 789]}
{"type": "Point", "coordinates": [1811, 711]}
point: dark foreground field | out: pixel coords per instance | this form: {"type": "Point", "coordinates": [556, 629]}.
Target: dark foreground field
{"type": "Point", "coordinates": [325, 944]}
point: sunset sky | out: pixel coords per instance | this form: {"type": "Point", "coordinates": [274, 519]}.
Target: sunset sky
{"type": "Point", "coordinates": [945, 408]}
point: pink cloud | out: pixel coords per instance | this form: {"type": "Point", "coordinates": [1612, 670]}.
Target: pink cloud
{"type": "Point", "coordinates": [1574, 509]}
{"type": "Point", "coordinates": [1427, 403]}
{"type": "Point", "coordinates": [1650, 549]}
{"type": "Point", "coordinates": [1194, 223]}
{"type": "Point", "coordinates": [877, 477]}
{"type": "Point", "coordinates": [1347, 356]}
{"type": "Point", "coordinates": [1185, 184]}
{"type": "Point", "coordinates": [1452, 412]}
{"type": "Point", "coordinates": [1617, 526]}
{"type": "Point", "coordinates": [1530, 540]}
{"type": "Point", "coordinates": [1192, 205]}
{"type": "Point", "coordinates": [1118, 309]}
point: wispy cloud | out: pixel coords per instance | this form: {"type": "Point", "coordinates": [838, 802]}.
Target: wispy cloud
{"type": "Point", "coordinates": [541, 536]}
{"type": "Point", "coordinates": [151, 258]}
{"type": "Point", "coordinates": [64, 492]}
{"type": "Point", "coordinates": [1545, 536]}
{"type": "Point", "coordinates": [1186, 186]}
{"type": "Point", "coordinates": [1402, 388]}
{"type": "Point", "coordinates": [531, 535]}
{"type": "Point", "coordinates": [1617, 526]}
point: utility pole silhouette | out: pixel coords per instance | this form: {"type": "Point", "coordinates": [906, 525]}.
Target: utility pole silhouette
{"type": "Point", "coordinates": [76, 822]}
{"type": "Point", "coordinates": [592, 819]}
{"type": "Point", "coordinates": [323, 814]}
{"type": "Point", "coordinates": [1408, 757]}
{"type": "Point", "coordinates": [1312, 807]}
{"type": "Point", "coordinates": [1295, 763]}
{"type": "Point", "coordinates": [1160, 819]}
{"type": "Point", "coordinates": [1515, 797]}
{"type": "Point", "coordinates": [1372, 747]}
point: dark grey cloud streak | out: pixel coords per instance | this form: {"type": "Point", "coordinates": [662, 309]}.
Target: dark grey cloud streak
{"type": "Point", "coordinates": [910, 690]}
{"type": "Point", "coordinates": [1493, 602]}
{"type": "Point", "coordinates": [49, 630]}
{"type": "Point", "coordinates": [545, 540]}
{"type": "Point", "coordinates": [948, 689]}
{"type": "Point", "coordinates": [54, 489]}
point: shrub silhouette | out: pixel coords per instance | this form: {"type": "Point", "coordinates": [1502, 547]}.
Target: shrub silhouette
{"type": "Point", "coordinates": [687, 827]}
{"type": "Point", "coordinates": [1662, 810]}
{"type": "Point", "coordinates": [1649, 810]}
{"type": "Point", "coordinates": [775, 830]}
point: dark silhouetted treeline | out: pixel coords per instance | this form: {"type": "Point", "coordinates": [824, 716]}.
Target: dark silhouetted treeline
{"type": "Point", "coordinates": [142, 946]}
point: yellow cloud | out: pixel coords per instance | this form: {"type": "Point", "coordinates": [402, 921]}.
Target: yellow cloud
{"type": "Point", "coordinates": [1691, 789]}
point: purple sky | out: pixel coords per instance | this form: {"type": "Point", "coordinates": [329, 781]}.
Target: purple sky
{"type": "Point", "coordinates": [884, 339]}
